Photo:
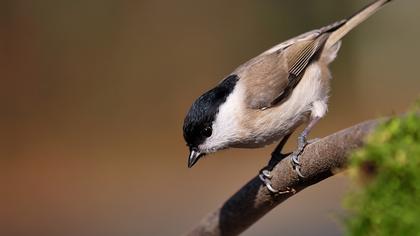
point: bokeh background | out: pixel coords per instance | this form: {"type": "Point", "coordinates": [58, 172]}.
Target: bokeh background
{"type": "Point", "coordinates": [93, 96]}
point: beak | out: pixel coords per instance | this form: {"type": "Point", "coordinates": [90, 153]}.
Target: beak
{"type": "Point", "coordinates": [194, 157]}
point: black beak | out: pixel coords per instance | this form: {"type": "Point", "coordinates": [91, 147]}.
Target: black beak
{"type": "Point", "coordinates": [194, 157]}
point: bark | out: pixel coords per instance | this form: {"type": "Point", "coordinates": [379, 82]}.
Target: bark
{"type": "Point", "coordinates": [319, 160]}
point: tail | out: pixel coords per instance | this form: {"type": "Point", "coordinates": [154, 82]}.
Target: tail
{"type": "Point", "coordinates": [354, 21]}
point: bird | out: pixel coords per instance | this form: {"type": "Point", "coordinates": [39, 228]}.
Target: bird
{"type": "Point", "coordinates": [268, 97]}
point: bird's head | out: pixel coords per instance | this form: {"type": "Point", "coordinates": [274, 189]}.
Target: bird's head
{"type": "Point", "coordinates": [200, 132]}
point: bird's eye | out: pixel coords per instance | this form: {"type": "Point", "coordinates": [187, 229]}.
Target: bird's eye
{"type": "Point", "coordinates": [207, 131]}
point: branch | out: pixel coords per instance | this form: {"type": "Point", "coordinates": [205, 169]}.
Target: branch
{"type": "Point", "coordinates": [320, 160]}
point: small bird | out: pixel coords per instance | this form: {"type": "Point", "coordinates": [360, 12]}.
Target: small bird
{"type": "Point", "coordinates": [267, 98]}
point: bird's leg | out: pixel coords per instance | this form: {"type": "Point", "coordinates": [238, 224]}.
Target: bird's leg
{"type": "Point", "coordinates": [277, 154]}
{"type": "Point", "coordinates": [265, 173]}
{"type": "Point", "coordinates": [302, 143]}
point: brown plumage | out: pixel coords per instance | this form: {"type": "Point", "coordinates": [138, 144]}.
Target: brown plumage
{"type": "Point", "coordinates": [268, 97]}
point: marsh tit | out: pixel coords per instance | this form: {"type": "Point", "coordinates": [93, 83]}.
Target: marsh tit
{"type": "Point", "coordinates": [267, 98]}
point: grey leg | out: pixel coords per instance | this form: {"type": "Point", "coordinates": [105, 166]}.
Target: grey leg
{"type": "Point", "coordinates": [302, 144]}
{"type": "Point", "coordinates": [265, 173]}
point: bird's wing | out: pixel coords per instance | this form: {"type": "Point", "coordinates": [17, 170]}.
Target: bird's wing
{"type": "Point", "coordinates": [298, 57]}
{"type": "Point", "coordinates": [272, 76]}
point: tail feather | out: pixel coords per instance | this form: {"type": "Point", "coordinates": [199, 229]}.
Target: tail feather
{"type": "Point", "coordinates": [354, 21]}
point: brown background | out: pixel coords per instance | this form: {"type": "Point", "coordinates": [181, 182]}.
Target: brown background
{"type": "Point", "coordinates": [93, 96]}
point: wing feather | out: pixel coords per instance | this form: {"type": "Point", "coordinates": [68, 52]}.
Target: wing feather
{"type": "Point", "coordinates": [298, 63]}
{"type": "Point", "coordinates": [271, 77]}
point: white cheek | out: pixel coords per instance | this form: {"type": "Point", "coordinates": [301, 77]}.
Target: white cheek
{"type": "Point", "coordinates": [226, 124]}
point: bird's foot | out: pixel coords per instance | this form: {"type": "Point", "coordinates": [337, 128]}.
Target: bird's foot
{"type": "Point", "coordinates": [265, 176]}
{"type": "Point", "coordinates": [302, 143]}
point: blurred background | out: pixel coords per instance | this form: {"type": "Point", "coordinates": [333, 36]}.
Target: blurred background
{"type": "Point", "coordinates": [93, 96]}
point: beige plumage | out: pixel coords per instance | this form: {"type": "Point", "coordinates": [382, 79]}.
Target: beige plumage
{"type": "Point", "coordinates": [270, 73]}
{"type": "Point", "coordinates": [268, 97]}
{"type": "Point", "coordinates": [282, 88]}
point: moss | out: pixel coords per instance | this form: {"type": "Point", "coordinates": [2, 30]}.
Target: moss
{"type": "Point", "coordinates": [388, 172]}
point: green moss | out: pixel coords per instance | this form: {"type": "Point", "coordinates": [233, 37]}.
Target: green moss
{"type": "Point", "coordinates": [388, 168]}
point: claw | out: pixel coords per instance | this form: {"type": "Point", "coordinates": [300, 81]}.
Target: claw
{"type": "Point", "coordinates": [271, 189]}
{"type": "Point", "coordinates": [297, 170]}
{"type": "Point", "coordinates": [295, 160]}
{"type": "Point", "coordinates": [302, 143]}
{"type": "Point", "coordinates": [265, 176]}
{"type": "Point", "coordinates": [296, 164]}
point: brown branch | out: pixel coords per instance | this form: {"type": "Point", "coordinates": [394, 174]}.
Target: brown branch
{"type": "Point", "coordinates": [320, 160]}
